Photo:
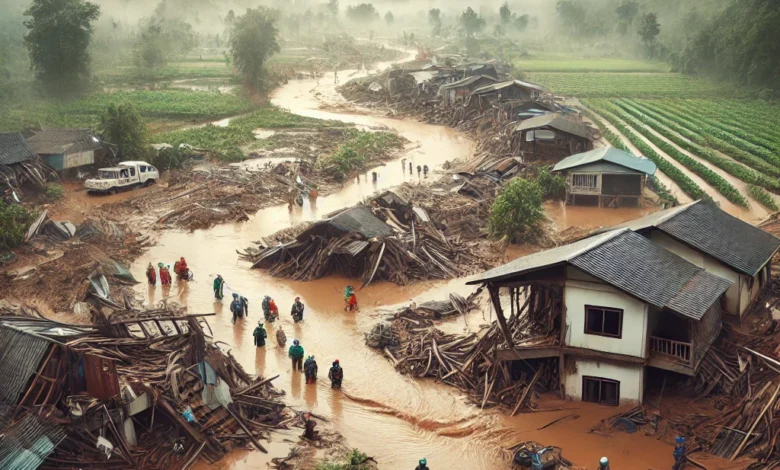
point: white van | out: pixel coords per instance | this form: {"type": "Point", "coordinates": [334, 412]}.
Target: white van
{"type": "Point", "coordinates": [127, 175]}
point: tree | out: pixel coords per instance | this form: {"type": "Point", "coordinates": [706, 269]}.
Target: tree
{"type": "Point", "coordinates": [626, 12]}
{"type": "Point", "coordinates": [389, 18]}
{"type": "Point", "coordinates": [571, 13]}
{"type": "Point", "coordinates": [333, 7]}
{"type": "Point", "coordinates": [434, 20]}
{"type": "Point", "coordinates": [521, 22]}
{"type": "Point", "coordinates": [517, 212]}
{"type": "Point", "coordinates": [365, 12]}
{"type": "Point", "coordinates": [471, 22]}
{"type": "Point", "coordinates": [505, 13]}
{"type": "Point", "coordinates": [253, 41]}
{"type": "Point", "coordinates": [14, 222]}
{"type": "Point", "coordinates": [58, 34]}
{"type": "Point", "coordinates": [150, 45]}
{"type": "Point", "coordinates": [648, 28]}
{"type": "Point", "coordinates": [122, 126]}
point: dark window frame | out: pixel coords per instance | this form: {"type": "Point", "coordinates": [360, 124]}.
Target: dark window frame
{"type": "Point", "coordinates": [601, 381]}
{"type": "Point", "coordinates": [602, 333]}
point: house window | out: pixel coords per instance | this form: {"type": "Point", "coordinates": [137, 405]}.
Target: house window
{"type": "Point", "coordinates": [587, 181]}
{"type": "Point", "coordinates": [603, 321]}
{"type": "Point", "coordinates": [601, 391]}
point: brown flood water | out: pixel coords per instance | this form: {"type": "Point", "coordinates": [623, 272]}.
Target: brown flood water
{"type": "Point", "coordinates": [389, 416]}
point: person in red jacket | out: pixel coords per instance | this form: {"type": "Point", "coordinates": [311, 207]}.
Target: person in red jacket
{"type": "Point", "coordinates": [151, 275]}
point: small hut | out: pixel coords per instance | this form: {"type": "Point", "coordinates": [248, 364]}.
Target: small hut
{"type": "Point", "coordinates": [509, 90]}
{"type": "Point", "coordinates": [458, 92]}
{"type": "Point", "coordinates": [606, 177]}
{"type": "Point", "coordinates": [550, 137]}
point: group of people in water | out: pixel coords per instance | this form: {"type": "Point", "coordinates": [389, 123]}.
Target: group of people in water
{"type": "Point", "coordinates": [179, 268]}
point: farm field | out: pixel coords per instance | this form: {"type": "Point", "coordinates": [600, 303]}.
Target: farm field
{"type": "Point", "coordinates": [576, 63]}
{"type": "Point", "coordinates": [628, 85]}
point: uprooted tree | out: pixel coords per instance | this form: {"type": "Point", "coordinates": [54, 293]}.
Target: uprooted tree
{"type": "Point", "coordinates": [252, 42]}
{"type": "Point", "coordinates": [517, 212]}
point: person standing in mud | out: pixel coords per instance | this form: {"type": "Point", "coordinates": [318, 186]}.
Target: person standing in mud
{"type": "Point", "coordinates": [350, 299]}
{"type": "Point", "coordinates": [219, 284]}
{"type": "Point", "coordinates": [422, 465]}
{"type": "Point", "coordinates": [679, 453]}
{"type": "Point", "coordinates": [296, 354]}
{"type": "Point", "coordinates": [419, 170]}
{"type": "Point", "coordinates": [336, 374]}
{"type": "Point", "coordinates": [310, 369]}
{"type": "Point", "coordinates": [151, 275]}
{"type": "Point", "coordinates": [297, 310]}
{"type": "Point", "coordinates": [425, 170]}
{"type": "Point", "coordinates": [260, 335]}
{"type": "Point", "coordinates": [410, 168]}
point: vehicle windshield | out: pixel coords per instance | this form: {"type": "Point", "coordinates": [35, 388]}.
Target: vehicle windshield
{"type": "Point", "coordinates": [106, 175]}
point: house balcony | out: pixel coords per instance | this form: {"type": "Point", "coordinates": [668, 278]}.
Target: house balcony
{"type": "Point", "coordinates": [675, 356]}
{"type": "Point", "coordinates": [584, 189]}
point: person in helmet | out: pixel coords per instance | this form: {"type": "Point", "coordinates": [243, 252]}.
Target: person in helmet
{"type": "Point", "coordinates": [260, 335]}
{"type": "Point", "coordinates": [604, 464]}
{"type": "Point", "coordinates": [423, 465]}
{"type": "Point", "coordinates": [350, 299]}
{"type": "Point", "coordinates": [679, 453]}
{"type": "Point", "coordinates": [219, 285]}
{"type": "Point", "coordinates": [336, 374]}
{"type": "Point", "coordinates": [310, 369]}
{"type": "Point", "coordinates": [296, 354]}
{"type": "Point", "coordinates": [239, 306]}
{"type": "Point", "coordinates": [270, 310]}
{"type": "Point", "coordinates": [297, 310]}
{"type": "Point", "coordinates": [151, 275]}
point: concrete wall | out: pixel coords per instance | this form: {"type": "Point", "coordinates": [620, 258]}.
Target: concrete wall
{"type": "Point", "coordinates": [581, 290]}
{"type": "Point", "coordinates": [734, 304]}
{"type": "Point", "coordinates": [630, 376]}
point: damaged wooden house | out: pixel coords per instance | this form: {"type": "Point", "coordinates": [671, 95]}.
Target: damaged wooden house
{"type": "Point", "coordinates": [705, 235]}
{"type": "Point", "coordinates": [457, 93]}
{"type": "Point", "coordinates": [485, 97]}
{"type": "Point", "coordinates": [66, 150]}
{"type": "Point", "coordinates": [607, 308]}
{"type": "Point", "coordinates": [551, 137]}
{"type": "Point", "coordinates": [605, 177]}
{"type": "Point", "coordinates": [19, 164]}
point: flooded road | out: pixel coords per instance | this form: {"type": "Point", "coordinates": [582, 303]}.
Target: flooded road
{"type": "Point", "coordinates": [391, 417]}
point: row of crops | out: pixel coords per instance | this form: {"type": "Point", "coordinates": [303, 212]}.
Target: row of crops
{"type": "Point", "coordinates": [679, 130]}
{"type": "Point", "coordinates": [633, 85]}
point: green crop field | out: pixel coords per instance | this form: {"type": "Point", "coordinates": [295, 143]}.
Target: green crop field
{"type": "Point", "coordinates": [567, 63]}
{"type": "Point", "coordinates": [628, 85]}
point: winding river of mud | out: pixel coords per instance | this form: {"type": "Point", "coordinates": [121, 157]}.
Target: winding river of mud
{"type": "Point", "coordinates": [391, 417]}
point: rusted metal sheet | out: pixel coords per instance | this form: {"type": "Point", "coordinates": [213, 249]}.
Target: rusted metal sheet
{"type": "Point", "coordinates": [100, 374]}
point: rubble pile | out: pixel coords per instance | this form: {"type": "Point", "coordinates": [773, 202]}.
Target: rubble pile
{"type": "Point", "coordinates": [466, 361]}
{"type": "Point", "coordinates": [386, 240]}
{"type": "Point", "coordinates": [139, 389]}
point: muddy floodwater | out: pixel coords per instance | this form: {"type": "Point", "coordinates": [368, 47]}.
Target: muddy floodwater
{"type": "Point", "coordinates": [389, 416]}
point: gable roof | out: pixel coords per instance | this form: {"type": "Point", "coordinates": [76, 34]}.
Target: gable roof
{"type": "Point", "coordinates": [556, 121]}
{"type": "Point", "coordinates": [466, 81]}
{"type": "Point", "coordinates": [631, 263]}
{"type": "Point", "coordinates": [57, 141]}
{"type": "Point", "coordinates": [358, 219]}
{"type": "Point", "coordinates": [508, 83]}
{"type": "Point", "coordinates": [705, 227]}
{"type": "Point", "coordinates": [607, 154]}
{"type": "Point", "coordinates": [14, 149]}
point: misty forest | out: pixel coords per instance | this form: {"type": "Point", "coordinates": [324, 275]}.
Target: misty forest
{"type": "Point", "coordinates": [528, 229]}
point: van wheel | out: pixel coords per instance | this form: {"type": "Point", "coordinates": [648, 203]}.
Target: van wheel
{"type": "Point", "coordinates": [149, 182]}
{"type": "Point", "coordinates": [113, 191]}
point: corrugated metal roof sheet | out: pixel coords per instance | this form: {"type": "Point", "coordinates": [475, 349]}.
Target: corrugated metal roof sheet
{"type": "Point", "coordinates": [705, 227]}
{"type": "Point", "coordinates": [360, 219]}
{"type": "Point", "coordinates": [26, 443]}
{"type": "Point", "coordinates": [466, 82]}
{"type": "Point", "coordinates": [20, 356]}
{"type": "Point", "coordinates": [508, 83]}
{"type": "Point", "coordinates": [608, 154]}
{"type": "Point", "coordinates": [558, 122]}
{"type": "Point", "coordinates": [633, 264]}
{"type": "Point", "coordinates": [57, 141]}
{"type": "Point", "coordinates": [14, 149]}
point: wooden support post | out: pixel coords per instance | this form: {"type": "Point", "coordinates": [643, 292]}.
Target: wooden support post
{"type": "Point", "coordinates": [247, 431]}
{"type": "Point", "coordinates": [500, 315]}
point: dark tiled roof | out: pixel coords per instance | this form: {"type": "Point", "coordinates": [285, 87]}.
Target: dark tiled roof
{"type": "Point", "coordinates": [706, 228]}
{"type": "Point", "coordinates": [633, 264]}
{"type": "Point", "coordinates": [14, 149]}
{"type": "Point", "coordinates": [57, 141]}
{"type": "Point", "coordinates": [556, 121]}
{"type": "Point", "coordinates": [358, 219]}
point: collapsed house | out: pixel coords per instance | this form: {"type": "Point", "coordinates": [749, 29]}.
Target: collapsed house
{"type": "Point", "coordinates": [724, 245]}
{"type": "Point", "coordinates": [136, 390]}
{"type": "Point", "coordinates": [613, 304]}
{"type": "Point", "coordinates": [457, 93]}
{"type": "Point", "coordinates": [486, 96]}
{"type": "Point", "coordinates": [64, 150]}
{"type": "Point", "coordinates": [605, 177]}
{"type": "Point", "coordinates": [19, 164]}
{"type": "Point", "coordinates": [389, 240]}
{"type": "Point", "coordinates": [551, 137]}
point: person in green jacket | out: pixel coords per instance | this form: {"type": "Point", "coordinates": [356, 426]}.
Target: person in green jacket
{"type": "Point", "coordinates": [296, 354]}
{"type": "Point", "coordinates": [260, 335]}
{"type": "Point", "coordinates": [218, 285]}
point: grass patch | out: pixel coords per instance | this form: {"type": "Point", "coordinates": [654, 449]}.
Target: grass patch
{"type": "Point", "coordinates": [172, 71]}
{"type": "Point", "coordinates": [630, 85]}
{"type": "Point", "coordinates": [357, 152]}
{"type": "Point", "coordinates": [579, 64]}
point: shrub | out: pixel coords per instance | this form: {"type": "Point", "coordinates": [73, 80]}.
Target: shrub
{"type": "Point", "coordinates": [14, 221]}
{"type": "Point", "coordinates": [355, 460]}
{"type": "Point", "coordinates": [553, 186]}
{"type": "Point", "coordinates": [517, 212]}
{"type": "Point", "coordinates": [54, 191]}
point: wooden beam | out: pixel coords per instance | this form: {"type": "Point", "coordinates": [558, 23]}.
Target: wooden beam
{"type": "Point", "coordinates": [500, 315]}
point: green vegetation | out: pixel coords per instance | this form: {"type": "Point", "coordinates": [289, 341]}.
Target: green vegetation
{"type": "Point", "coordinates": [687, 185]}
{"type": "Point", "coordinates": [253, 40]}
{"type": "Point", "coordinates": [713, 179]}
{"type": "Point", "coordinates": [122, 126]}
{"type": "Point", "coordinates": [14, 222]}
{"type": "Point", "coordinates": [517, 212]}
{"type": "Point", "coordinates": [627, 85]}
{"type": "Point", "coordinates": [357, 152]}
{"type": "Point", "coordinates": [576, 63]}
{"type": "Point", "coordinates": [172, 71]}
{"type": "Point", "coordinates": [763, 197]}
{"type": "Point", "coordinates": [54, 191]}
{"type": "Point", "coordinates": [355, 460]}
{"type": "Point", "coordinates": [553, 186]}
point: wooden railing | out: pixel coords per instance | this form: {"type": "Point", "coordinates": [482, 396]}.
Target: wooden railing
{"type": "Point", "coordinates": [678, 350]}
{"type": "Point", "coordinates": [584, 189]}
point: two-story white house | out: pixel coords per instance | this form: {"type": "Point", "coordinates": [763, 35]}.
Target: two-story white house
{"type": "Point", "coordinates": [722, 244]}
{"type": "Point", "coordinates": [622, 303]}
